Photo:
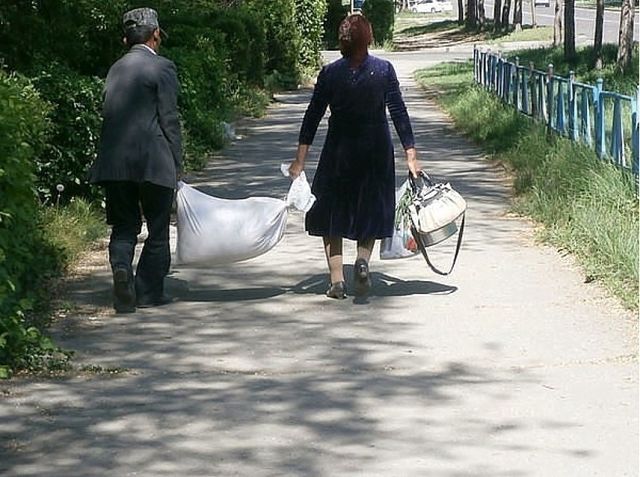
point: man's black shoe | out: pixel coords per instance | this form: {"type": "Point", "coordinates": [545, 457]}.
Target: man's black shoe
{"type": "Point", "coordinates": [159, 301]}
{"type": "Point", "coordinates": [124, 295]}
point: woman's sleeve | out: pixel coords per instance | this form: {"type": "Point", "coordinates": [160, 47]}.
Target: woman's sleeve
{"type": "Point", "coordinates": [398, 110]}
{"type": "Point", "coordinates": [315, 110]}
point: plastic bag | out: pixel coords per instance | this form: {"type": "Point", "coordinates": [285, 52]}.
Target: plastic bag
{"type": "Point", "coordinates": [401, 244]}
{"type": "Point", "coordinates": [299, 196]}
{"type": "Point", "coordinates": [215, 231]}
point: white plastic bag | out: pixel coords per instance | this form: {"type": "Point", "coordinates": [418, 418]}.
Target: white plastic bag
{"type": "Point", "coordinates": [401, 244]}
{"type": "Point", "coordinates": [214, 231]}
{"type": "Point", "coordinates": [299, 196]}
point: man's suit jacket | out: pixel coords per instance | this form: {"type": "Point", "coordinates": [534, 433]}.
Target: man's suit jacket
{"type": "Point", "coordinates": [141, 139]}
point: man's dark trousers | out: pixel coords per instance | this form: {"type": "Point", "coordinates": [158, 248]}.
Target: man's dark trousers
{"type": "Point", "coordinates": [125, 202]}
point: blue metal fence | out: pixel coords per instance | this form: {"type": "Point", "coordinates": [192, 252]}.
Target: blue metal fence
{"type": "Point", "coordinates": [604, 120]}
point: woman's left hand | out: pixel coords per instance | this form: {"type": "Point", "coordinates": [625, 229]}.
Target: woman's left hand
{"type": "Point", "coordinates": [412, 161]}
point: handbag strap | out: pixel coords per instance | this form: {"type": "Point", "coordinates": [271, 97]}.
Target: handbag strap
{"type": "Point", "coordinates": [423, 249]}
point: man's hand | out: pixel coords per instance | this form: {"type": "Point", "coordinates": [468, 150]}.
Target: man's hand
{"type": "Point", "coordinates": [412, 161]}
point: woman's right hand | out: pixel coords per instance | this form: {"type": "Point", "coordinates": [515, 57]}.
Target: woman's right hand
{"type": "Point", "coordinates": [412, 161]}
{"type": "Point", "coordinates": [296, 168]}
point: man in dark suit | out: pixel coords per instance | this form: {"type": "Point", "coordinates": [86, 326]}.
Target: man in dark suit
{"type": "Point", "coordinates": [139, 159]}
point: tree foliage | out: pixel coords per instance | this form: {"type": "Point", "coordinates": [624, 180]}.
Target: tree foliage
{"type": "Point", "coordinates": [26, 259]}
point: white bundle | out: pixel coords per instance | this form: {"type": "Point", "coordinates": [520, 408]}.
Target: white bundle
{"type": "Point", "coordinates": [214, 231]}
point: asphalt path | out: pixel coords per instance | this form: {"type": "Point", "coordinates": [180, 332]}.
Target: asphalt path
{"type": "Point", "coordinates": [512, 366]}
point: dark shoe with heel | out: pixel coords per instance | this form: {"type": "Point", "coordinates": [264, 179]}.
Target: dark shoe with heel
{"type": "Point", "coordinates": [124, 295]}
{"type": "Point", "coordinates": [337, 290]}
{"type": "Point", "coordinates": [361, 278]}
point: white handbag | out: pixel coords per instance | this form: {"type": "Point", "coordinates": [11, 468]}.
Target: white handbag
{"type": "Point", "coordinates": [434, 210]}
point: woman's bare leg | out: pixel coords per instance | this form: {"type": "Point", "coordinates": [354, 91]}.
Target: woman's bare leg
{"type": "Point", "coordinates": [333, 251]}
{"type": "Point", "coordinates": [365, 247]}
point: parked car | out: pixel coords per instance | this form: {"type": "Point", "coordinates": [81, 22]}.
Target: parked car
{"type": "Point", "coordinates": [446, 5]}
{"type": "Point", "coordinates": [426, 6]}
{"type": "Point", "coordinates": [357, 4]}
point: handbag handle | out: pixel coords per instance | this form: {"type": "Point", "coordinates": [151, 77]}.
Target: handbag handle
{"type": "Point", "coordinates": [423, 249]}
{"type": "Point", "coordinates": [423, 177]}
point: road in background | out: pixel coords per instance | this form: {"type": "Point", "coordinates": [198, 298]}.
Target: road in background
{"type": "Point", "coordinates": [585, 21]}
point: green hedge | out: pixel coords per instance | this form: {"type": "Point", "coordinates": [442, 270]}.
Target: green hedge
{"type": "Point", "coordinates": [336, 12]}
{"type": "Point", "coordinates": [381, 14]}
{"type": "Point", "coordinates": [26, 259]}
{"type": "Point", "coordinates": [283, 38]}
{"type": "Point", "coordinates": [75, 128]}
{"type": "Point", "coordinates": [310, 18]}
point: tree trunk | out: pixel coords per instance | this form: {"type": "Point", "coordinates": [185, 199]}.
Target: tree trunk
{"type": "Point", "coordinates": [472, 12]}
{"type": "Point", "coordinates": [497, 19]}
{"type": "Point", "coordinates": [481, 14]}
{"type": "Point", "coordinates": [506, 9]}
{"type": "Point", "coordinates": [460, 12]}
{"type": "Point", "coordinates": [517, 15]}
{"type": "Point", "coordinates": [569, 30]}
{"type": "Point", "coordinates": [557, 23]}
{"type": "Point", "coordinates": [597, 39]}
{"type": "Point", "coordinates": [625, 39]}
{"type": "Point", "coordinates": [534, 23]}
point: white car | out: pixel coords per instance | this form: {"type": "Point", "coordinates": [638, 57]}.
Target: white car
{"type": "Point", "coordinates": [426, 6]}
{"type": "Point", "coordinates": [446, 5]}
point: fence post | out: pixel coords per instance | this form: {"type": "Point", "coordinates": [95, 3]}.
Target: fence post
{"type": "Point", "coordinates": [573, 107]}
{"type": "Point", "coordinates": [585, 118]}
{"type": "Point", "coordinates": [498, 84]}
{"type": "Point", "coordinates": [494, 71]}
{"type": "Point", "coordinates": [550, 96]}
{"type": "Point", "coordinates": [534, 90]}
{"type": "Point", "coordinates": [635, 135]}
{"type": "Point", "coordinates": [598, 101]}
{"type": "Point", "coordinates": [507, 76]}
{"type": "Point", "coordinates": [617, 137]}
{"type": "Point", "coordinates": [516, 86]}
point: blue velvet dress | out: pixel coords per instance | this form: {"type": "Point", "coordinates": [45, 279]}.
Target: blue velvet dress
{"type": "Point", "coordinates": [355, 180]}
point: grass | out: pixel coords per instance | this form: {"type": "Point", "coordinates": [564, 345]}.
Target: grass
{"type": "Point", "coordinates": [73, 228]}
{"type": "Point", "coordinates": [422, 30]}
{"type": "Point", "coordinates": [587, 206]}
{"type": "Point", "coordinates": [582, 65]}
{"type": "Point", "coordinates": [527, 33]}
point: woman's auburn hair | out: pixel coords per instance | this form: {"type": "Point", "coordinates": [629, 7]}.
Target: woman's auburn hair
{"type": "Point", "coordinates": [355, 32]}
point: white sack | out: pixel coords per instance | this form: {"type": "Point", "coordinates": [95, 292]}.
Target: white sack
{"type": "Point", "coordinates": [214, 231]}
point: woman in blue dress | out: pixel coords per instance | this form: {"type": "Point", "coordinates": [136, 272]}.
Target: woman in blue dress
{"type": "Point", "coordinates": [354, 183]}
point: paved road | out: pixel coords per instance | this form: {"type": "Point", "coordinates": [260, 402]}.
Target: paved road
{"type": "Point", "coordinates": [585, 20]}
{"type": "Point", "coordinates": [513, 366]}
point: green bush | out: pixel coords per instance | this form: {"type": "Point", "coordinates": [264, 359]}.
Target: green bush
{"type": "Point", "coordinates": [26, 259]}
{"type": "Point", "coordinates": [244, 36]}
{"type": "Point", "coordinates": [283, 37]}
{"type": "Point", "coordinates": [75, 128]}
{"type": "Point", "coordinates": [336, 12]}
{"type": "Point", "coordinates": [309, 17]}
{"type": "Point", "coordinates": [381, 14]}
{"type": "Point", "coordinates": [85, 35]}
